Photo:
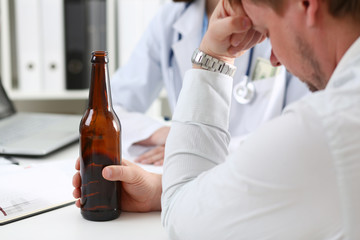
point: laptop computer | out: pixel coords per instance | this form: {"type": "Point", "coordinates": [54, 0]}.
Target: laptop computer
{"type": "Point", "coordinates": [34, 134]}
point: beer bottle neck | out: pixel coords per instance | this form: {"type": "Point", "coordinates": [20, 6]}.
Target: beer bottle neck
{"type": "Point", "coordinates": [100, 93]}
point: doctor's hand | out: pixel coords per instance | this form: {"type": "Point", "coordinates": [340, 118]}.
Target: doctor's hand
{"type": "Point", "coordinates": [156, 155]}
{"type": "Point", "coordinates": [157, 138]}
{"type": "Point", "coordinates": [140, 192]}
{"type": "Point", "coordinates": [230, 32]}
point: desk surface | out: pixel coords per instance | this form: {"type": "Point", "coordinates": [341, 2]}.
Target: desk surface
{"type": "Point", "coordinates": [67, 222]}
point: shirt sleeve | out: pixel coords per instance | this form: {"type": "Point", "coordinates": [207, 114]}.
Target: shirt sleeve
{"type": "Point", "coordinates": [279, 174]}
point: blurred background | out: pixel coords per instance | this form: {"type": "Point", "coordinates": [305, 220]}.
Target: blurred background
{"type": "Point", "coordinates": [45, 48]}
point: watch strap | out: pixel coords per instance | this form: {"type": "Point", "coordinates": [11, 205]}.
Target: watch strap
{"type": "Point", "coordinates": [212, 64]}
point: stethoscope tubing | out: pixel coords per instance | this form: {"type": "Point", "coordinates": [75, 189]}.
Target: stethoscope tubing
{"type": "Point", "coordinates": [245, 91]}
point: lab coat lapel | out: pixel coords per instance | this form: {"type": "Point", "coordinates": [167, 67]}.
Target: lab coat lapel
{"type": "Point", "coordinates": [189, 25]}
{"type": "Point", "coordinates": [276, 101]}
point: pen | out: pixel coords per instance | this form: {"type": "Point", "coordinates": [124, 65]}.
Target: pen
{"type": "Point", "coordinates": [12, 160]}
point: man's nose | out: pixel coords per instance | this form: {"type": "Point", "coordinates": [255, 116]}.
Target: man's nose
{"type": "Point", "coordinates": [274, 61]}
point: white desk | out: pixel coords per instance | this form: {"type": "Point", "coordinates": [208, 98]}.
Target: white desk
{"type": "Point", "coordinates": [67, 223]}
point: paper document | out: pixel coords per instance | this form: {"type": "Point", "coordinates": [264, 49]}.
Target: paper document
{"type": "Point", "coordinates": [30, 190]}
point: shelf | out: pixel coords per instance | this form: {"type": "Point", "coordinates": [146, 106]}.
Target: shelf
{"type": "Point", "coordinates": [59, 95]}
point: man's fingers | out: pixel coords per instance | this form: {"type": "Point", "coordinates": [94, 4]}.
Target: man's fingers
{"type": "Point", "coordinates": [225, 27]}
{"type": "Point", "coordinates": [125, 162]}
{"type": "Point", "coordinates": [77, 164]}
{"type": "Point", "coordinates": [225, 33]}
{"type": "Point", "coordinates": [77, 203]}
{"type": "Point", "coordinates": [77, 193]}
{"type": "Point", "coordinates": [121, 173]}
{"type": "Point", "coordinates": [238, 39]}
{"type": "Point", "coordinates": [253, 38]}
{"type": "Point", "coordinates": [76, 180]}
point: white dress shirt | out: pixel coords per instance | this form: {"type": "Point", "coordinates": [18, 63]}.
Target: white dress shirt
{"type": "Point", "coordinates": [297, 177]}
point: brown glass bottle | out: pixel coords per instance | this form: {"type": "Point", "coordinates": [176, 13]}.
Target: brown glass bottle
{"type": "Point", "coordinates": [100, 146]}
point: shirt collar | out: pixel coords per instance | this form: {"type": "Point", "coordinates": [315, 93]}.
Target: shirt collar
{"type": "Point", "coordinates": [351, 56]}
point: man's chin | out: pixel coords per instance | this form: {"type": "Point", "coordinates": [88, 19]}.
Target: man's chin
{"type": "Point", "coordinates": [312, 88]}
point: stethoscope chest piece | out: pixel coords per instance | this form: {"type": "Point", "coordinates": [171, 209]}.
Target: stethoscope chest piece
{"type": "Point", "coordinates": [244, 92]}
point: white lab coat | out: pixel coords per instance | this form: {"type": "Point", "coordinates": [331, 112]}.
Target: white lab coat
{"type": "Point", "coordinates": [161, 59]}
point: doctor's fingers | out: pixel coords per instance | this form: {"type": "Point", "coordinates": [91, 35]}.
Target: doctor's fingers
{"type": "Point", "coordinates": [154, 156]}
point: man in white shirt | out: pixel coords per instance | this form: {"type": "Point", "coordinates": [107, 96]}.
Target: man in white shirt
{"type": "Point", "coordinates": [298, 176]}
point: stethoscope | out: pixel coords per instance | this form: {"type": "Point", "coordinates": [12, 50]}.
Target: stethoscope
{"type": "Point", "coordinates": [244, 92]}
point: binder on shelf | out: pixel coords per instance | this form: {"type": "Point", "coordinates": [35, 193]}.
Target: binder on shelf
{"type": "Point", "coordinates": [75, 45]}
{"type": "Point", "coordinates": [85, 31]}
{"type": "Point", "coordinates": [52, 28]}
{"type": "Point", "coordinates": [28, 45]}
{"type": "Point", "coordinates": [96, 21]}
{"type": "Point", "coordinates": [5, 46]}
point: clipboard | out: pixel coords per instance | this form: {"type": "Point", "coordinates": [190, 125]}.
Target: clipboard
{"type": "Point", "coordinates": [32, 190]}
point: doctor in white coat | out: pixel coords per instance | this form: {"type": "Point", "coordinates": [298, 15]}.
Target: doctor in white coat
{"type": "Point", "coordinates": [160, 60]}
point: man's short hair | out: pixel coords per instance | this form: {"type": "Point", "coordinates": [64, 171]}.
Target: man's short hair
{"type": "Point", "coordinates": [337, 8]}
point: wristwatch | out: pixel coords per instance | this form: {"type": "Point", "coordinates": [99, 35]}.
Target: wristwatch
{"type": "Point", "coordinates": [212, 64]}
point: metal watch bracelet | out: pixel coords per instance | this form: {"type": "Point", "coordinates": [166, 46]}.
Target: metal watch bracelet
{"type": "Point", "coordinates": [212, 64]}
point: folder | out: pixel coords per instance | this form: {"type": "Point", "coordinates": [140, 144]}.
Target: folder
{"type": "Point", "coordinates": [85, 31]}
{"type": "Point", "coordinates": [52, 28]}
{"type": "Point", "coordinates": [76, 42]}
{"type": "Point", "coordinates": [28, 45]}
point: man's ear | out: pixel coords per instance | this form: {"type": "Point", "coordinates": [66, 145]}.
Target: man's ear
{"type": "Point", "coordinates": [311, 9]}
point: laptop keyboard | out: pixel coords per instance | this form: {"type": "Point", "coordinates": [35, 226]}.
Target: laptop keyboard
{"type": "Point", "coordinates": [20, 127]}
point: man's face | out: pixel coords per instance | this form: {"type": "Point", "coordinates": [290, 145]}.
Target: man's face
{"type": "Point", "coordinates": [289, 46]}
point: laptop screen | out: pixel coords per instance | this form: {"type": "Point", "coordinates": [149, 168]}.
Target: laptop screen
{"type": "Point", "coordinates": [6, 106]}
